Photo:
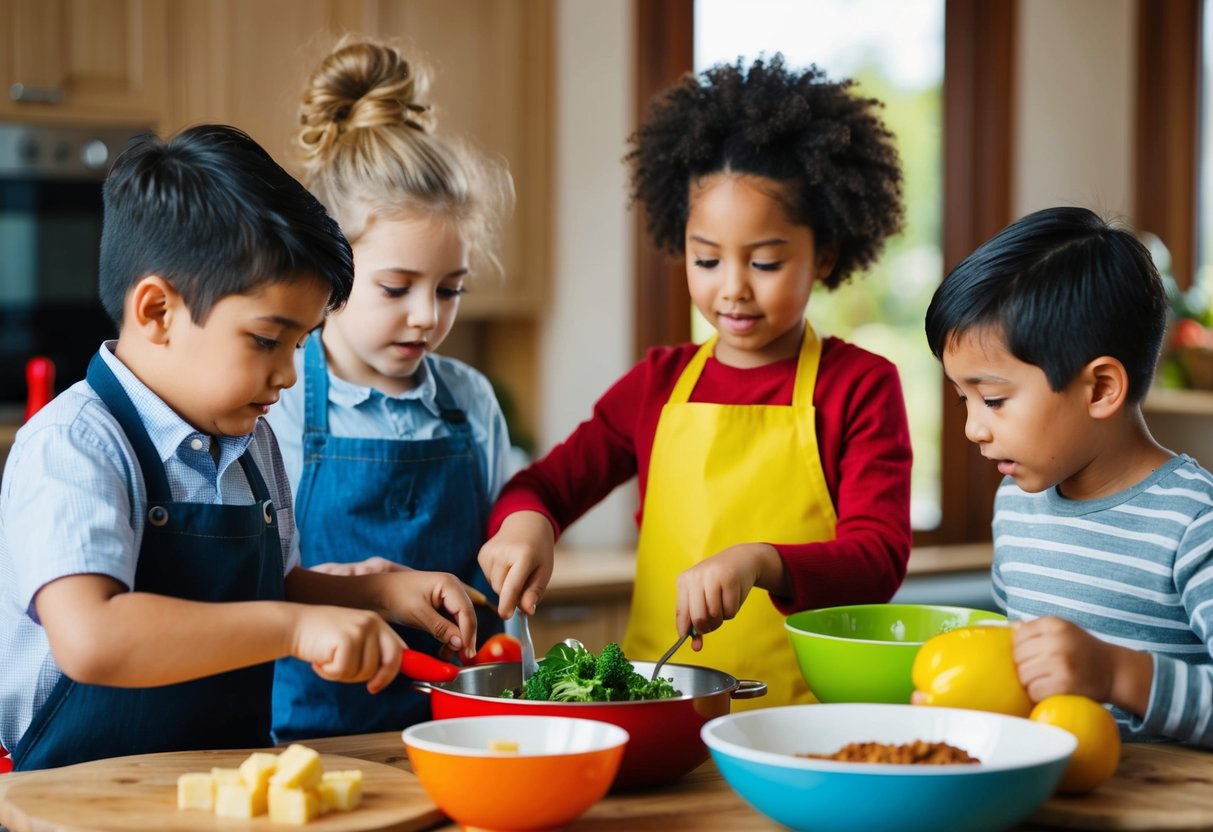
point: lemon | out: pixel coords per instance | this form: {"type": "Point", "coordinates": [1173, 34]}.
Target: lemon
{"type": "Point", "coordinates": [1098, 751]}
{"type": "Point", "coordinates": [970, 667]}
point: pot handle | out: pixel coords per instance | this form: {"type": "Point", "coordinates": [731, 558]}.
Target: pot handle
{"type": "Point", "coordinates": [749, 689]}
{"type": "Point", "coordinates": [422, 686]}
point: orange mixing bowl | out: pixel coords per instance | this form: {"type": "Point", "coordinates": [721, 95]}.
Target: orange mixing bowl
{"type": "Point", "coordinates": [562, 767]}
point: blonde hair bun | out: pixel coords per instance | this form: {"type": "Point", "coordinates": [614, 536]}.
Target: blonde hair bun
{"type": "Point", "coordinates": [369, 148]}
{"type": "Point", "coordinates": [361, 85]}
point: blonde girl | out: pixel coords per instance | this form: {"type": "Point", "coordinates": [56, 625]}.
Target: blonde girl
{"type": "Point", "coordinates": [394, 453]}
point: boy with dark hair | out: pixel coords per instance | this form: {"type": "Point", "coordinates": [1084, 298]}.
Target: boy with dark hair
{"type": "Point", "coordinates": [1103, 540]}
{"type": "Point", "coordinates": [147, 543]}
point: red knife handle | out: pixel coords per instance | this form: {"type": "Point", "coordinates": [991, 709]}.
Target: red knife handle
{"type": "Point", "coordinates": [40, 384]}
{"type": "Point", "coordinates": [423, 666]}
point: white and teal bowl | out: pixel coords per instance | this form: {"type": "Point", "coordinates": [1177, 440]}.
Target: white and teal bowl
{"type": "Point", "coordinates": [1021, 763]}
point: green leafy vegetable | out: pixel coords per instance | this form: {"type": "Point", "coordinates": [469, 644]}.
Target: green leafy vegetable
{"type": "Point", "coordinates": [574, 674]}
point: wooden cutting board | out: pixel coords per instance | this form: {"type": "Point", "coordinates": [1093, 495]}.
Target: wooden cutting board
{"type": "Point", "coordinates": [140, 793]}
{"type": "Point", "coordinates": [1156, 787]}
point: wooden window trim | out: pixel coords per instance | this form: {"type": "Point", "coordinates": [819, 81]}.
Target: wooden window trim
{"type": "Point", "coordinates": [979, 48]}
{"type": "Point", "coordinates": [664, 52]}
{"type": "Point", "coordinates": [978, 68]}
{"type": "Point", "coordinates": [1167, 158]}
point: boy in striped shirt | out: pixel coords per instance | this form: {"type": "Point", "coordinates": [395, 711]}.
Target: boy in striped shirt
{"type": "Point", "coordinates": [1103, 540]}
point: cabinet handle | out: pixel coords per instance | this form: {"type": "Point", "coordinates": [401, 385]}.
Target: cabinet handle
{"type": "Point", "coordinates": [35, 95]}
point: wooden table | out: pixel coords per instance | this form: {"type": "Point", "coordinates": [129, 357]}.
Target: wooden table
{"type": "Point", "coordinates": [1156, 787]}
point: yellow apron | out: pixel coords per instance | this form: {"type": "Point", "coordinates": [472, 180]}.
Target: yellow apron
{"type": "Point", "coordinates": [722, 474]}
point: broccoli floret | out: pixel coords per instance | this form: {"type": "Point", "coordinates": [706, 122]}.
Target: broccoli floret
{"type": "Point", "coordinates": [640, 687]}
{"type": "Point", "coordinates": [572, 689]}
{"type": "Point", "coordinates": [585, 665]}
{"type": "Point", "coordinates": [613, 668]}
{"type": "Point", "coordinates": [538, 686]}
{"type": "Point", "coordinates": [572, 674]}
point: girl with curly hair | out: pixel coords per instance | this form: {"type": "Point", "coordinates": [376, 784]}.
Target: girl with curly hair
{"type": "Point", "coordinates": [394, 453]}
{"type": "Point", "coordinates": [770, 461]}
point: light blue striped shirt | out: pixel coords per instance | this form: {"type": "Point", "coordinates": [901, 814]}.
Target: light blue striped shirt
{"type": "Point", "coordinates": [366, 413]}
{"type": "Point", "coordinates": [73, 500]}
{"type": "Point", "coordinates": [1135, 569]}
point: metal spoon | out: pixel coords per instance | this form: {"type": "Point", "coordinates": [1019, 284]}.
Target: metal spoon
{"type": "Point", "coordinates": [665, 658]}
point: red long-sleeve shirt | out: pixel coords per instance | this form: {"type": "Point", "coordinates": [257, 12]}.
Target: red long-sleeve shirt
{"type": "Point", "coordinates": [863, 440]}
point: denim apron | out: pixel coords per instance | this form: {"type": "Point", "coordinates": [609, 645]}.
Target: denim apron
{"type": "Point", "coordinates": [194, 551]}
{"type": "Point", "coordinates": [420, 503]}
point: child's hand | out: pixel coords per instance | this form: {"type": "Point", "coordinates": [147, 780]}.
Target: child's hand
{"type": "Point", "coordinates": [370, 566]}
{"type": "Point", "coordinates": [1055, 656]}
{"type": "Point", "coordinates": [518, 561]}
{"type": "Point", "coordinates": [417, 598]}
{"type": "Point", "coordinates": [712, 592]}
{"type": "Point", "coordinates": [347, 645]}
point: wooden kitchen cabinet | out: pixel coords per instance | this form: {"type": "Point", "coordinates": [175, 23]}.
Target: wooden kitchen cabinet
{"type": "Point", "coordinates": [84, 61]}
{"type": "Point", "coordinates": [492, 62]}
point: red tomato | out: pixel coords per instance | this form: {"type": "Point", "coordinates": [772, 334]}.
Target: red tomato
{"type": "Point", "coordinates": [498, 648]}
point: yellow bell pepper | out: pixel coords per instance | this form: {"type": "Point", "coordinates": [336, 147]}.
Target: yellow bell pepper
{"type": "Point", "coordinates": [970, 667]}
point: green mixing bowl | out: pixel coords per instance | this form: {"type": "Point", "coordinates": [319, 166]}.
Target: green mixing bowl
{"type": "Point", "coordinates": [864, 652]}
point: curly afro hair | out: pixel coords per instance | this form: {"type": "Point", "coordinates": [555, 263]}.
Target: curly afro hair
{"type": "Point", "coordinates": [827, 147]}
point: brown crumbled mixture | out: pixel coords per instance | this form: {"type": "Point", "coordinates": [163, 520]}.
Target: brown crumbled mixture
{"type": "Point", "coordinates": [918, 752]}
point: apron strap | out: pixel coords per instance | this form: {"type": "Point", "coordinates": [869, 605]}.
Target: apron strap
{"type": "Point", "coordinates": [256, 483]}
{"type": "Point", "coordinates": [315, 386]}
{"type": "Point", "coordinates": [101, 378]}
{"type": "Point", "coordinates": [806, 370]}
{"type": "Point", "coordinates": [451, 413]}
{"type": "Point", "coordinates": [681, 393]}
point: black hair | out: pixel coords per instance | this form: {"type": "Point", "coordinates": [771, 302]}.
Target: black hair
{"type": "Point", "coordinates": [1062, 287]}
{"type": "Point", "coordinates": [213, 214]}
{"type": "Point", "coordinates": [826, 146]}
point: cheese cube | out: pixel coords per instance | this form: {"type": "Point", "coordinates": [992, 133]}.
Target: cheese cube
{"type": "Point", "coordinates": [293, 805]}
{"type": "Point", "coordinates": [196, 790]}
{"type": "Point", "coordinates": [225, 775]}
{"type": "Point", "coordinates": [340, 790]}
{"type": "Point", "coordinates": [257, 770]}
{"type": "Point", "coordinates": [298, 766]}
{"type": "Point", "coordinates": [238, 800]}
{"type": "Point", "coordinates": [503, 745]}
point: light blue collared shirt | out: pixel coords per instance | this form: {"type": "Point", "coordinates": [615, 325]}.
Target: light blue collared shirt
{"type": "Point", "coordinates": [366, 413]}
{"type": "Point", "coordinates": [73, 501]}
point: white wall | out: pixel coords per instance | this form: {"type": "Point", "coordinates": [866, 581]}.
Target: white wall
{"type": "Point", "coordinates": [1074, 90]}
{"type": "Point", "coordinates": [586, 338]}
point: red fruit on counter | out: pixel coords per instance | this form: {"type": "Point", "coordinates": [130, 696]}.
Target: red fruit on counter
{"type": "Point", "coordinates": [498, 648]}
{"type": "Point", "coordinates": [1189, 333]}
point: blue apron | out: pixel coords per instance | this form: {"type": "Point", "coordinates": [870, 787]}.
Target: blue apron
{"type": "Point", "coordinates": [420, 503]}
{"type": "Point", "coordinates": [195, 551]}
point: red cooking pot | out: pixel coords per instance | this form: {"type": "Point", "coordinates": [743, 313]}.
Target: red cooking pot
{"type": "Point", "coordinates": [664, 736]}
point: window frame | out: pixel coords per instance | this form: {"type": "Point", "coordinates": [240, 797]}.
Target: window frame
{"type": "Point", "coordinates": [1167, 158]}
{"type": "Point", "coordinates": [979, 51]}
